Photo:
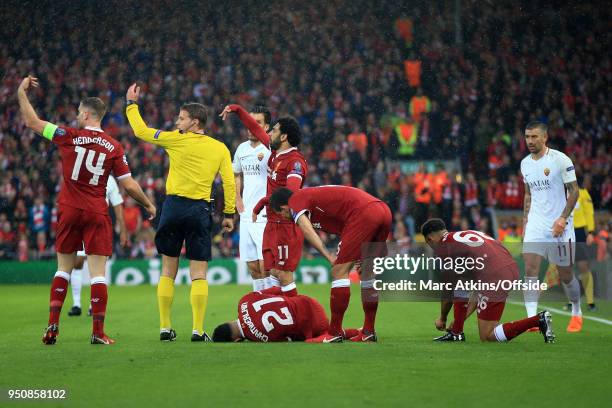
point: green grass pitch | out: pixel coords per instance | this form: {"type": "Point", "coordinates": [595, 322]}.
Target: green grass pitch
{"type": "Point", "coordinates": [404, 369]}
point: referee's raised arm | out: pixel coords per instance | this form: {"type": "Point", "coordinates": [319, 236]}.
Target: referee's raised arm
{"type": "Point", "coordinates": [186, 216]}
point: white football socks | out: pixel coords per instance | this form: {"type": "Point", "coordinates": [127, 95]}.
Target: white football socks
{"type": "Point", "coordinates": [531, 296]}
{"type": "Point", "coordinates": [572, 291]}
{"type": "Point", "coordinates": [76, 281]}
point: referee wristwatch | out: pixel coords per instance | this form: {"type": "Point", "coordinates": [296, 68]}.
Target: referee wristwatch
{"type": "Point", "coordinates": [129, 102]}
{"type": "Point", "coordinates": [231, 216]}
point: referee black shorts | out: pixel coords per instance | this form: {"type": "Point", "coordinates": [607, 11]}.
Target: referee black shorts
{"type": "Point", "coordinates": [582, 251]}
{"type": "Point", "coordinates": [184, 219]}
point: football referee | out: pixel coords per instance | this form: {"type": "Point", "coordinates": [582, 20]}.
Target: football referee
{"type": "Point", "coordinates": [195, 160]}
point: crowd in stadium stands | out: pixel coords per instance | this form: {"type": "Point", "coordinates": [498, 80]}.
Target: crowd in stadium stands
{"type": "Point", "coordinates": [370, 84]}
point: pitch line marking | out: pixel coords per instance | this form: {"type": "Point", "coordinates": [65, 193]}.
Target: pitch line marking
{"type": "Point", "coordinates": [564, 313]}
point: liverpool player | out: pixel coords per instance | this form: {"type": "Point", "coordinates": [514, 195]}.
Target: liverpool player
{"type": "Point", "coordinates": [496, 265]}
{"type": "Point", "coordinates": [282, 240]}
{"type": "Point", "coordinates": [271, 317]}
{"type": "Point", "coordinates": [114, 199]}
{"type": "Point", "coordinates": [88, 157]}
{"type": "Point", "coordinates": [358, 218]}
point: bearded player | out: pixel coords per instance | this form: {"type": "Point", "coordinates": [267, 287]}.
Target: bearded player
{"type": "Point", "coordinates": [498, 266]}
{"type": "Point", "coordinates": [358, 218]}
{"type": "Point", "coordinates": [88, 158]}
{"type": "Point", "coordinates": [271, 317]}
{"type": "Point", "coordinates": [282, 240]}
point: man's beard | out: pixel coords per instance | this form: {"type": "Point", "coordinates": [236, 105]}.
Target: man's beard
{"type": "Point", "coordinates": [275, 144]}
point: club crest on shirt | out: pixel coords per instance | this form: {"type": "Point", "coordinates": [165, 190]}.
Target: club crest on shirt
{"type": "Point", "coordinates": [260, 156]}
{"type": "Point", "coordinates": [546, 171]}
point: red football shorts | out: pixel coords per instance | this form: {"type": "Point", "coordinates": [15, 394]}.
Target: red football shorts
{"type": "Point", "coordinates": [282, 246]}
{"type": "Point", "coordinates": [76, 227]}
{"type": "Point", "coordinates": [371, 223]}
{"type": "Point", "coordinates": [489, 310]}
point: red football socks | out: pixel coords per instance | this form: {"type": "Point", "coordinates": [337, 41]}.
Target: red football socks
{"type": "Point", "coordinates": [513, 329]}
{"type": "Point", "coordinates": [369, 302]}
{"type": "Point", "coordinates": [99, 298]}
{"type": "Point", "coordinates": [459, 313]}
{"type": "Point", "coordinates": [59, 288]}
{"type": "Point", "coordinates": [289, 290]}
{"type": "Point", "coordinates": [338, 303]}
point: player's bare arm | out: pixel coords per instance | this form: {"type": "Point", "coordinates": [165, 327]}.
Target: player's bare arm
{"type": "Point", "coordinates": [260, 206]}
{"type": "Point", "coordinates": [248, 121]}
{"type": "Point", "coordinates": [133, 189]}
{"type": "Point", "coordinates": [123, 235]}
{"type": "Point", "coordinates": [526, 206]}
{"type": "Point", "coordinates": [572, 198]}
{"type": "Point", "coordinates": [311, 235]}
{"type": "Point", "coordinates": [239, 202]}
{"type": "Point", "coordinates": [30, 117]}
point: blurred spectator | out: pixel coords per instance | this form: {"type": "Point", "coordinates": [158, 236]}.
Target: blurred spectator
{"type": "Point", "coordinates": [366, 83]}
{"type": "Point", "coordinates": [512, 192]}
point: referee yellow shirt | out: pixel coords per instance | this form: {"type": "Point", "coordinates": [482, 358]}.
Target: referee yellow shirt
{"type": "Point", "coordinates": [583, 212]}
{"type": "Point", "coordinates": [195, 160]}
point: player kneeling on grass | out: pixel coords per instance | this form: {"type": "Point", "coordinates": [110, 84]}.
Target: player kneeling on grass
{"type": "Point", "coordinates": [498, 265]}
{"type": "Point", "coordinates": [358, 218]}
{"type": "Point", "coordinates": [271, 317]}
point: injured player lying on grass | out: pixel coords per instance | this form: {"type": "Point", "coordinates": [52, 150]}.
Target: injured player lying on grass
{"type": "Point", "coordinates": [271, 317]}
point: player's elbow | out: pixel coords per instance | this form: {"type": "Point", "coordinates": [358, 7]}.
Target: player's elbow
{"type": "Point", "coordinates": [32, 122]}
{"type": "Point", "coordinates": [128, 184]}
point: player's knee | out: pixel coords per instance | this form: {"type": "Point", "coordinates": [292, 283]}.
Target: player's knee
{"type": "Point", "coordinates": [565, 273]}
{"type": "Point", "coordinates": [80, 261]}
{"type": "Point", "coordinates": [341, 271]}
{"type": "Point", "coordinates": [285, 277]}
{"type": "Point", "coordinates": [487, 335]}
{"type": "Point", "coordinates": [255, 270]}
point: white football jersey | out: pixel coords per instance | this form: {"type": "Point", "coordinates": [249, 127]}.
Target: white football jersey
{"type": "Point", "coordinates": [253, 164]}
{"type": "Point", "coordinates": [113, 196]}
{"type": "Point", "coordinates": [546, 179]}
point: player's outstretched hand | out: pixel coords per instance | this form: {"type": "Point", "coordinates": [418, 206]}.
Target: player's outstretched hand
{"type": "Point", "coordinates": [227, 224]}
{"type": "Point", "coordinates": [28, 82]}
{"type": "Point", "coordinates": [227, 110]}
{"type": "Point", "coordinates": [440, 324]}
{"type": "Point", "coordinates": [133, 93]}
{"type": "Point", "coordinates": [152, 211]}
{"type": "Point", "coordinates": [559, 226]}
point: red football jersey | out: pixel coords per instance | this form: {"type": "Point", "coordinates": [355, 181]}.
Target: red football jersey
{"type": "Point", "coordinates": [329, 207]}
{"type": "Point", "coordinates": [281, 166]}
{"type": "Point", "coordinates": [491, 258]}
{"type": "Point", "coordinates": [267, 318]}
{"type": "Point", "coordinates": [88, 157]}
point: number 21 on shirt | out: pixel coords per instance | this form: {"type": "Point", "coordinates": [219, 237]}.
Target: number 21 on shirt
{"type": "Point", "coordinates": [285, 320]}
